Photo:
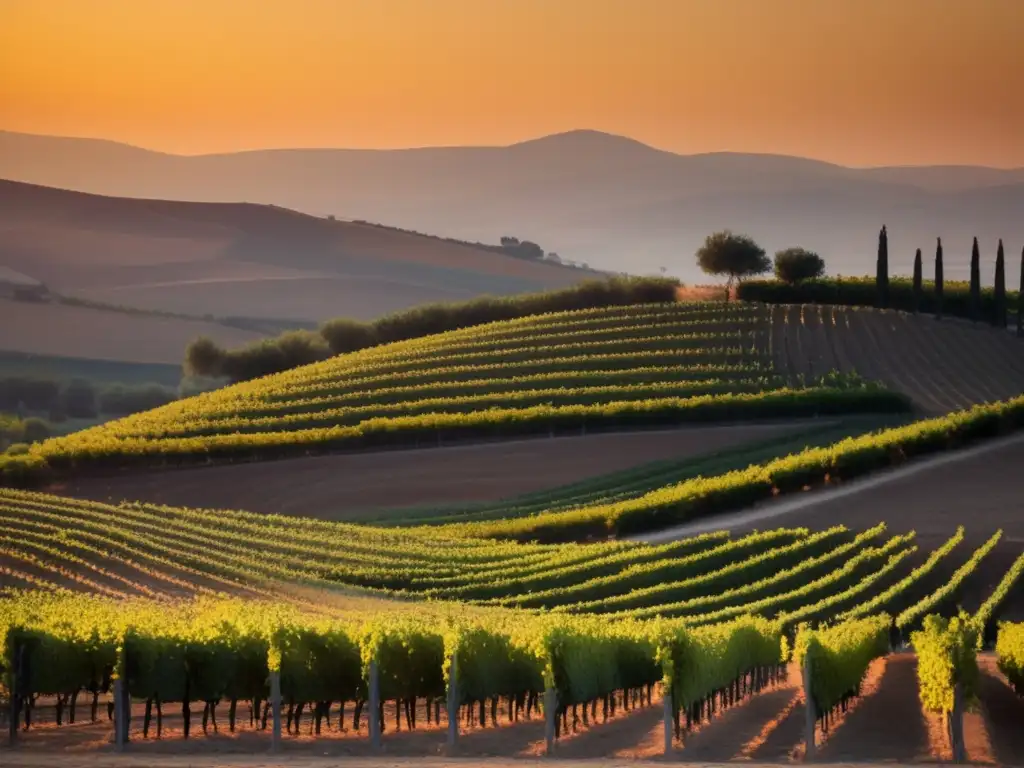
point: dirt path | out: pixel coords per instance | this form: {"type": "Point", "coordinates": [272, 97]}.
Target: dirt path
{"type": "Point", "coordinates": [932, 496]}
{"type": "Point", "coordinates": [887, 724]}
{"type": "Point", "coordinates": [1003, 713]}
{"type": "Point", "coordinates": [738, 731]}
{"type": "Point", "coordinates": [635, 734]}
{"type": "Point", "coordinates": [339, 486]}
{"type": "Point", "coordinates": [782, 737]}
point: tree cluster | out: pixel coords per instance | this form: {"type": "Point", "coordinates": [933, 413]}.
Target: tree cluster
{"type": "Point", "coordinates": [738, 257]}
{"type": "Point", "coordinates": [78, 398]}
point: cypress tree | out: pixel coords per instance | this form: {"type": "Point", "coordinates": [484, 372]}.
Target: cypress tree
{"type": "Point", "coordinates": [882, 268]}
{"type": "Point", "coordinates": [975, 281]}
{"type": "Point", "coordinates": [999, 294]}
{"type": "Point", "coordinates": [938, 279]}
{"type": "Point", "coordinates": [918, 288]}
{"type": "Point", "coordinates": [1020, 298]}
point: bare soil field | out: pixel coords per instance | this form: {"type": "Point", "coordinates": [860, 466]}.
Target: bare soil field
{"type": "Point", "coordinates": [68, 331]}
{"type": "Point", "coordinates": [942, 365]}
{"type": "Point", "coordinates": [338, 486]}
{"type": "Point", "coordinates": [230, 258]}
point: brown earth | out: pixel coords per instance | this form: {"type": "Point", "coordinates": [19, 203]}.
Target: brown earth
{"type": "Point", "coordinates": [1003, 711]}
{"type": "Point", "coordinates": [339, 486]}
{"type": "Point", "coordinates": [244, 259]}
{"type": "Point", "coordinates": [942, 365]}
{"type": "Point", "coordinates": [69, 331]}
{"type": "Point", "coordinates": [886, 724]}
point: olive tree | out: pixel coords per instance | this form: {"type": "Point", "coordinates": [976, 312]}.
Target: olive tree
{"type": "Point", "coordinates": [737, 256]}
{"type": "Point", "coordinates": [794, 265]}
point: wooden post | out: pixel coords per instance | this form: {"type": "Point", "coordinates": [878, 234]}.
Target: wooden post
{"type": "Point", "coordinates": [956, 725]}
{"type": "Point", "coordinates": [126, 703]}
{"type": "Point", "coordinates": [810, 720]}
{"type": "Point", "coordinates": [275, 711]}
{"type": "Point", "coordinates": [120, 726]}
{"type": "Point", "coordinates": [550, 707]}
{"type": "Point", "coordinates": [453, 703]}
{"type": "Point", "coordinates": [666, 700]}
{"type": "Point", "coordinates": [17, 680]}
{"type": "Point", "coordinates": [374, 685]}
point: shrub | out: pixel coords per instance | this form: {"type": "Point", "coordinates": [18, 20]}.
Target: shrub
{"type": "Point", "coordinates": [794, 265]}
{"type": "Point", "coordinates": [79, 399]}
{"type": "Point", "coordinates": [35, 394]}
{"type": "Point", "coordinates": [290, 350]}
{"type": "Point", "coordinates": [203, 357]}
{"type": "Point", "coordinates": [344, 335]}
{"type": "Point", "coordinates": [121, 400]}
{"type": "Point", "coordinates": [18, 449]}
{"type": "Point", "coordinates": [35, 430]}
{"type": "Point", "coordinates": [862, 291]}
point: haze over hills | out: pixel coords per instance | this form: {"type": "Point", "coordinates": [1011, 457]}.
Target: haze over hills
{"type": "Point", "coordinates": [244, 260]}
{"type": "Point", "coordinates": [607, 200]}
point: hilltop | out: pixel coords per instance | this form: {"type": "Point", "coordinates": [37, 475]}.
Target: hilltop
{"type": "Point", "coordinates": [607, 200]}
{"type": "Point", "coordinates": [246, 259]}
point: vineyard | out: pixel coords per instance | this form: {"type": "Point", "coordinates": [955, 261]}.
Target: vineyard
{"type": "Point", "coordinates": [608, 390]}
{"type": "Point", "coordinates": [540, 621]}
{"type": "Point", "coordinates": [599, 632]}
{"type": "Point", "coordinates": [942, 365]}
{"type": "Point", "coordinates": [561, 373]}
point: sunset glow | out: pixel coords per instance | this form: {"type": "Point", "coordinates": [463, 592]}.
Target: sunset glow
{"type": "Point", "coordinates": [860, 82]}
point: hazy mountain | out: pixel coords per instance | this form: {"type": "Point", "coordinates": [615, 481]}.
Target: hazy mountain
{"type": "Point", "coordinates": [607, 200]}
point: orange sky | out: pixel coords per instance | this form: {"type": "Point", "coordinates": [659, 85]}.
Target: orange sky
{"type": "Point", "coordinates": [861, 82]}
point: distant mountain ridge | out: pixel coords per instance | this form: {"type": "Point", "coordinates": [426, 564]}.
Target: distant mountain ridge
{"type": "Point", "coordinates": [608, 200]}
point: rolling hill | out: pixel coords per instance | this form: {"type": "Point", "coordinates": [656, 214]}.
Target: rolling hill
{"type": "Point", "coordinates": [43, 330]}
{"type": "Point", "coordinates": [606, 200]}
{"type": "Point", "coordinates": [593, 383]}
{"type": "Point", "coordinates": [470, 620]}
{"type": "Point", "coordinates": [244, 260]}
{"type": "Point", "coordinates": [557, 373]}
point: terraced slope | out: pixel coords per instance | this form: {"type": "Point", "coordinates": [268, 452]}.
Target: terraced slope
{"type": "Point", "coordinates": [569, 372]}
{"type": "Point", "coordinates": [942, 365]}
